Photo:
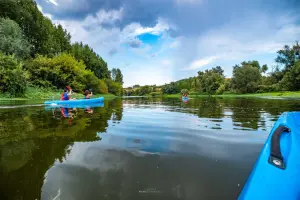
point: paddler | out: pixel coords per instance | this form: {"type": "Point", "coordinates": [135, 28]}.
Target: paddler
{"type": "Point", "coordinates": [88, 94]}
{"type": "Point", "coordinates": [67, 93]}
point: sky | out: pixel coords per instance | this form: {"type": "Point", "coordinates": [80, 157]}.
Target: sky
{"type": "Point", "coordinates": [159, 41]}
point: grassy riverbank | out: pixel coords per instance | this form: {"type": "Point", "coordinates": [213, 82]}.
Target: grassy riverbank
{"type": "Point", "coordinates": [267, 95]}
{"type": "Point", "coordinates": [43, 94]}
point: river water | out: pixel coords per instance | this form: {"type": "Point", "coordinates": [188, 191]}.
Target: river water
{"type": "Point", "coordinates": [134, 148]}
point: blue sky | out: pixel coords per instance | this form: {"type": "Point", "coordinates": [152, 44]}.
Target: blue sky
{"type": "Point", "coordinates": [159, 41]}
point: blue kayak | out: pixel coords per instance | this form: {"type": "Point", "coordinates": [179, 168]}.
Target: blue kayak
{"type": "Point", "coordinates": [79, 106]}
{"type": "Point", "coordinates": [276, 173]}
{"type": "Point", "coordinates": [75, 102]}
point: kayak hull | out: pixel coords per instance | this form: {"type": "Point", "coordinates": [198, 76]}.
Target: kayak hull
{"type": "Point", "coordinates": [75, 102]}
{"type": "Point", "coordinates": [273, 179]}
{"type": "Point", "coordinates": [79, 106]}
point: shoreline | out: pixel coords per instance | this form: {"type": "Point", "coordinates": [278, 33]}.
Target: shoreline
{"type": "Point", "coordinates": [56, 97]}
{"type": "Point", "coordinates": [256, 95]}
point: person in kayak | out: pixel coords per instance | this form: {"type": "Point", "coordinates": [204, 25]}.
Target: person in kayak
{"type": "Point", "coordinates": [88, 94]}
{"type": "Point", "coordinates": [66, 94]}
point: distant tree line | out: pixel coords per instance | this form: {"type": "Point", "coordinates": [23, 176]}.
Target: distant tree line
{"type": "Point", "coordinates": [247, 77]}
{"type": "Point", "coordinates": [36, 53]}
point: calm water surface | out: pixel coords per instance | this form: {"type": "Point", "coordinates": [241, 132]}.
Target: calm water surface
{"type": "Point", "coordinates": [133, 148]}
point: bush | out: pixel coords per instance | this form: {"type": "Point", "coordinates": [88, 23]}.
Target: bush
{"type": "Point", "coordinates": [12, 40]}
{"type": "Point", "coordinates": [103, 87]}
{"type": "Point", "coordinates": [153, 94]}
{"type": "Point", "coordinates": [171, 88]}
{"type": "Point", "coordinates": [114, 87]}
{"type": "Point", "coordinates": [184, 91]}
{"type": "Point", "coordinates": [221, 89]}
{"type": "Point", "coordinates": [60, 71]}
{"type": "Point", "coordinates": [12, 76]}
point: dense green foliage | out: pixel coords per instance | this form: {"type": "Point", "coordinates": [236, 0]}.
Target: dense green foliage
{"type": "Point", "coordinates": [245, 78]}
{"type": "Point", "coordinates": [12, 76]}
{"type": "Point", "coordinates": [49, 58]}
{"type": "Point", "coordinates": [12, 40]}
{"type": "Point", "coordinates": [211, 80]}
{"type": "Point", "coordinates": [60, 71]}
{"type": "Point", "coordinates": [45, 37]}
{"type": "Point", "coordinates": [92, 60]}
{"type": "Point", "coordinates": [117, 76]}
{"type": "Point", "coordinates": [114, 87]}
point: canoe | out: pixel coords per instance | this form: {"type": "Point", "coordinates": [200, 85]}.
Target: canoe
{"type": "Point", "coordinates": [276, 173]}
{"type": "Point", "coordinates": [75, 102]}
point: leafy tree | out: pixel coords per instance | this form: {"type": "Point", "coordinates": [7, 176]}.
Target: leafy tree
{"type": "Point", "coordinates": [171, 88]}
{"type": "Point", "coordinates": [92, 61]}
{"type": "Point", "coordinates": [246, 78]}
{"type": "Point", "coordinates": [218, 70]}
{"type": "Point", "coordinates": [45, 38]}
{"type": "Point", "coordinates": [291, 79]}
{"type": "Point", "coordinates": [288, 56]}
{"type": "Point", "coordinates": [210, 80]}
{"type": "Point", "coordinates": [12, 76]}
{"type": "Point", "coordinates": [60, 71]}
{"type": "Point", "coordinates": [114, 74]}
{"type": "Point", "coordinates": [144, 90]}
{"type": "Point", "coordinates": [114, 87]}
{"type": "Point", "coordinates": [221, 89]}
{"type": "Point", "coordinates": [103, 87]}
{"type": "Point", "coordinates": [12, 40]}
{"type": "Point", "coordinates": [264, 68]}
{"type": "Point", "coordinates": [119, 77]}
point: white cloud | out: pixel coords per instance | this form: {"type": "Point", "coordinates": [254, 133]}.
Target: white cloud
{"type": "Point", "coordinates": [53, 2]}
{"type": "Point", "coordinates": [158, 29]}
{"type": "Point", "coordinates": [103, 17]}
{"type": "Point", "coordinates": [197, 64]}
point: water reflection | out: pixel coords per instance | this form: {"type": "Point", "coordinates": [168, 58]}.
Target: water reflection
{"type": "Point", "coordinates": [134, 148]}
{"type": "Point", "coordinates": [32, 140]}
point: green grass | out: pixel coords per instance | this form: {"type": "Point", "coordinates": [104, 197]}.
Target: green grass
{"type": "Point", "coordinates": [267, 94]}
{"type": "Point", "coordinates": [45, 94]}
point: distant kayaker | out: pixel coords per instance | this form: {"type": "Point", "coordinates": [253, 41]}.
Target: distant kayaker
{"type": "Point", "coordinates": [88, 94]}
{"type": "Point", "coordinates": [66, 94]}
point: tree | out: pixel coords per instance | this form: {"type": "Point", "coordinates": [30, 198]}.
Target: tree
{"type": "Point", "coordinates": [210, 80]}
{"type": "Point", "coordinates": [12, 40]}
{"type": "Point", "coordinates": [288, 56]}
{"type": "Point", "coordinates": [114, 87]}
{"type": "Point", "coordinates": [218, 70]}
{"type": "Point", "coordinates": [291, 79]}
{"type": "Point", "coordinates": [119, 77]}
{"type": "Point", "coordinates": [44, 37]}
{"type": "Point", "coordinates": [92, 61]}
{"type": "Point", "coordinates": [113, 74]}
{"type": "Point", "coordinates": [171, 88]}
{"type": "Point", "coordinates": [103, 87]}
{"type": "Point", "coordinates": [264, 68]}
{"type": "Point", "coordinates": [12, 76]}
{"type": "Point", "coordinates": [246, 78]}
{"type": "Point", "coordinates": [60, 71]}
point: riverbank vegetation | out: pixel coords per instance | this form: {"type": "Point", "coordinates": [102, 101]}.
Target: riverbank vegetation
{"type": "Point", "coordinates": [35, 53]}
{"type": "Point", "coordinates": [248, 78]}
